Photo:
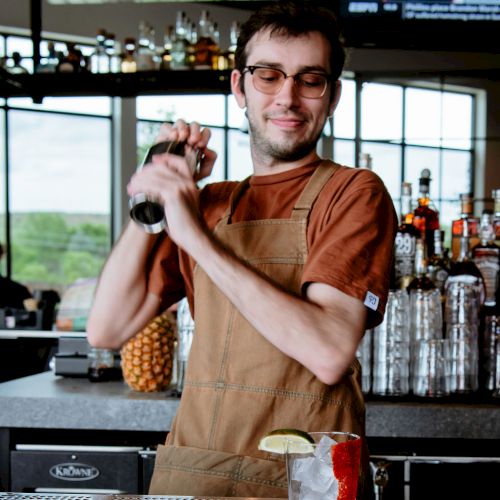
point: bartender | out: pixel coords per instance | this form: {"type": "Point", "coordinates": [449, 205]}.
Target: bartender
{"type": "Point", "coordinates": [12, 293]}
{"type": "Point", "coordinates": [283, 271]}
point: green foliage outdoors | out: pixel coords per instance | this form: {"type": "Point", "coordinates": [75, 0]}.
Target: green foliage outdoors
{"type": "Point", "coordinates": [52, 250]}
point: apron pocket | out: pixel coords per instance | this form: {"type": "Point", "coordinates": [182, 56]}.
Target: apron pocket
{"type": "Point", "coordinates": [187, 471]}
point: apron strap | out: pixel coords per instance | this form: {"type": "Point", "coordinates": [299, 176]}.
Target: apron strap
{"type": "Point", "coordinates": [320, 177]}
{"type": "Point", "coordinates": [233, 200]}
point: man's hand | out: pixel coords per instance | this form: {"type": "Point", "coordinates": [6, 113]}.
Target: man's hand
{"type": "Point", "coordinates": [169, 179]}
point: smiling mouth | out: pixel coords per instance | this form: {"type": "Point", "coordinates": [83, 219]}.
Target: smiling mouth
{"type": "Point", "coordinates": [289, 123]}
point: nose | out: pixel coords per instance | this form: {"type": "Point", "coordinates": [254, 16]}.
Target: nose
{"type": "Point", "coordinates": [288, 93]}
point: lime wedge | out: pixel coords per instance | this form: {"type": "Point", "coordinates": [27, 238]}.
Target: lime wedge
{"type": "Point", "coordinates": [276, 441]}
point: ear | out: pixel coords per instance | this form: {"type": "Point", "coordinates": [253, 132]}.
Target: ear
{"type": "Point", "coordinates": [239, 95]}
{"type": "Point", "coordinates": [337, 91]}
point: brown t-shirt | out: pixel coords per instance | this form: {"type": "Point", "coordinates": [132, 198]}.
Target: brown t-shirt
{"type": "Point", "coordinates": [350, 233]}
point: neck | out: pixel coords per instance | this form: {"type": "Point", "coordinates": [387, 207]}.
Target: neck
{"type": "Point", "coordinates": [267, 165]}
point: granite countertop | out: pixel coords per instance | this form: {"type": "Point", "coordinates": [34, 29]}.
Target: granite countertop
{"type": "Point", "coordinates": [47, 401]}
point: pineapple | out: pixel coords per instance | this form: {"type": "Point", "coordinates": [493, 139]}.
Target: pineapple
{"type": "Point", "coordinates": [147, 358]}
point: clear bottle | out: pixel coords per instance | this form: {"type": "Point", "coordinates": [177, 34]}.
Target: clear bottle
{"type": "Point", "coordinates": [439, 263]}
{"type": "Point", "coordinates": [366, 161]}
{"type": "Point", "coordinates": [405, 242]}
{"type": "Point", "coordinates": [166, 56]}
{"type": "Point", "coordinates": [129, 64]}
{"type": "Point", "coordinates": [112, 51]}
{"type": "Point", "coordinates": [486, 256]}
{"type": "Point", "coordinates": [466, 217]}
{"type": "Point", "coordinates": [180, 43]}
{"type": "Point", "coordinates": [234, 32]}
{"type": "Point", "coordinates": [421, 281]}
{"type": "Point", "coordinates": [99, 62]}
{"type": "Point", "coordinates": [426, 216]}
{"type": "Point", "coordinates": [145, 54]}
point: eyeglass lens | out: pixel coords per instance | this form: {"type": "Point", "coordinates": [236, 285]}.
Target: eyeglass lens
{"type": "Point", "coordinates": [270, 81]}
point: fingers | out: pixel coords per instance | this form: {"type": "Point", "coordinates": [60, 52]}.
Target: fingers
{"type": "Point", "coordinates": [181, 131]}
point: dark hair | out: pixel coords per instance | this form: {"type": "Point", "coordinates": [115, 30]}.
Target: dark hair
{"type": "Point", "coordinates": [291, 18]}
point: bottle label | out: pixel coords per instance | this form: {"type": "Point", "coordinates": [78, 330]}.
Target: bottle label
{"type": "Point", "coordinates": [489, 267]}
{"type": "Point", "coordinates": [404, 254]}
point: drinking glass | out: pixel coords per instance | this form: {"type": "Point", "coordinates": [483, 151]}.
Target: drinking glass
{"type": "Point", "coordinates": [462, 304]}
{"type": "Point", "coordinates": [318, 471]}
{"type": "Point", "coordinates": [391, 347]}
{"type": "Point", "coordinates": [431, 376]}
{"type": "Point", "coordinates": [464, 364]}
{"type": "Point", "coordinates": [364, 356]}
{"type": "Point", "coordinates": [426, 317]}
{"type": "Point", "coordinates": [185, 331]}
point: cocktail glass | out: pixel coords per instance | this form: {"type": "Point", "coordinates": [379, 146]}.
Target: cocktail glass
{"type": "Point", "coordinates": [327, 469]}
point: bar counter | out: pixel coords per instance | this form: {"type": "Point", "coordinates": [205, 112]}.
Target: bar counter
{"type": "Point", "coordinates": [46, 401]}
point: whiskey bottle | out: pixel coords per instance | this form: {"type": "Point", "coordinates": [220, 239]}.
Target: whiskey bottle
{"type": "Point", "coordinates": [426, 216]}
{"type": "Point", "coordinates": [129, 64]}
{"type": "Point", "coordinates": [439, 263]}
{"type": "Point", "coordinates": [486, 256]}
{"type": "Point", "coordinates": [496, 217]}
{"type": "Point", "coordinates": [405, 241]}
{"type": "Point", "coordinates": [466, 217]}
{"type": "Point", "coordinates": [205, 47]}
{"type": "Point", "coordinates": [464, 270]}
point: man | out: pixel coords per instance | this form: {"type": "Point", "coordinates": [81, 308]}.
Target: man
{"type": "Point", "coordinates": [277, 269]}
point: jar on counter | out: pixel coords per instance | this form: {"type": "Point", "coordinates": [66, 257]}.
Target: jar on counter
{"type": "Point", "coordinates": [101, 365]}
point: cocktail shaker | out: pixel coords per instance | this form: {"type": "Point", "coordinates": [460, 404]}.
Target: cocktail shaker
{"type": "Point", "coordinates": [146, 211]}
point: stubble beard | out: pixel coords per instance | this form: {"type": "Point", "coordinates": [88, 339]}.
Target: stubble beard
{"type": "Point", "coordinates": [285, 151]}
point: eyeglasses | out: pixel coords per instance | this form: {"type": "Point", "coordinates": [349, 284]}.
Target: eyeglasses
{"type": "Point", "coordinates": [270, 81]}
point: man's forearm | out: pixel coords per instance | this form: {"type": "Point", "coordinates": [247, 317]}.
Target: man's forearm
{"type": "Point", "coordinates": [320, 332]}
{"type": "Point", "coordinates": [121, 304]}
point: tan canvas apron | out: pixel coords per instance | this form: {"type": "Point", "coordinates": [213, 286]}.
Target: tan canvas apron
{"type": "Point", "coordinates": [238, 385]}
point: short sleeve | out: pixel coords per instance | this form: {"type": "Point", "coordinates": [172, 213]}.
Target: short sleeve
{"type": "Point", "coordinates": [351, 237]}
{"type": "Point", "coordinates": [165, 279]}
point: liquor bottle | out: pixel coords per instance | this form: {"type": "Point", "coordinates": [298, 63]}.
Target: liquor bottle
{"type": "Point", "coordinates": [112, 52]}
{"type": "Point", "coordinates": [234, 32]}
{"type": "Point", "coordinates": [15, 67]}
{"type": "Point", "coordinates": [166, 56]}
{"type": "Point", "coordinates": [466, 217]}
{"type": "Point", "coordinates": [48, 63]}
{"type": "Point", "coordinates": [421, 281]}
{"type": "Point", "coordinates": [145, 54]}
{"type": "Point", "coordinates": [205, 47]}
{"type": "Point", "coordinates": [486, 256]}
{"type": "Point", "coordinates": [405, 241]}
{"type": "Point", "coordinates": [72, 61]}
{"type": "Point", "coordinates": [99, 62]}
{"type": "Point", "coordinates": [129, 64]}
{"type": "Point", "coordinates": [426, 216]}
{"type": "Point", "coordinates": [496, 218]}
{"type": "Point", "coordinates": [463, 269]}
{"type": "Point", "coordinates": [439, 263]}
{"type": "Point", "coordinates": [179, 44]}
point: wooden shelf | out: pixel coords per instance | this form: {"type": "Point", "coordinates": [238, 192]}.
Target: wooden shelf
{"type": "Point", "coordinates": [42, 85]}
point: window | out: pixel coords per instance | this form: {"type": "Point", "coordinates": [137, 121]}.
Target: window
{"type": "Point", "coordinates": [59, 205]}
{"type": "Point", "coordinates": [406, 129]}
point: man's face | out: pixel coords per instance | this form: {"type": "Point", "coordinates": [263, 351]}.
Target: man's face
{"type": "Point", "coordinates": [286, 126]}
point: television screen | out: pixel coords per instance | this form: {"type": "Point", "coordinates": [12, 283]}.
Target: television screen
{"type": "Point", "coordinates": [427, 24]}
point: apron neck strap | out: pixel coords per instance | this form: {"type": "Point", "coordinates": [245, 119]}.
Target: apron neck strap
{"type": "Point", "coordinates": [319, 178]}
{"type": "Point", "coordinates": [303, 205]}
